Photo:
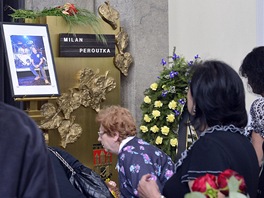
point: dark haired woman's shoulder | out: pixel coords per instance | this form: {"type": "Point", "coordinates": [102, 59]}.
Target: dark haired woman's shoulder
{"type": "Point", "coordinates": [225, 135]}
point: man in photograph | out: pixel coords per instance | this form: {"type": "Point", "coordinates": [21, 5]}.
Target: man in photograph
{"type": "Point", "coordinates": [37, 61]}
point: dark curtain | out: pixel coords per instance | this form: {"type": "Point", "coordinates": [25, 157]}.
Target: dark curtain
{"type": "Point", "coordinates": [5, 88]}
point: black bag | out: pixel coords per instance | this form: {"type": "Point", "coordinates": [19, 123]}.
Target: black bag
{"type": "Point", "coordinates": [85, 180]}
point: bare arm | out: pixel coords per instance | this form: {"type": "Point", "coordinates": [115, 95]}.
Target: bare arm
{"type": "Point", "coordinates": [257, 142]}
{"type": "Point", "coordinates": [190, 183]}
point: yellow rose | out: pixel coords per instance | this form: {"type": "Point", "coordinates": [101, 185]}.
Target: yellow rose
{"type": "Point", "coordinates": [165, 130]}
{"type": "Point", "coordinates": [158, 140]}
{"type": "Point", "coordinates": [154, 86]}
{"type": "Point", "coordinates": [144, 129]}
{"type": "Point", "coordinates": [155, 113]}
{"type": "Point", "coordinates": [174, 142]}
{"type": "Point", "coordinates": [147, 100]}
{"type": "Point", "coordinates": [172, 105]}
{"type": "Point", "coordinates": [154, 129]}
{"type": "Point", "coordinates": [170, 118]}
{"type": "Point", "coordinates": [147, 118]}
{"type": "Point", "coordinates": [158, 103]}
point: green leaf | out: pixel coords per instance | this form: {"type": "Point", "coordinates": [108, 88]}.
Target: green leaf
{"type": "Point", "coordinates": [195, 195]}
{"type": "Point", "coordinates": [236, 195]}
{"type": "Point", "coordinates": [233, 184]}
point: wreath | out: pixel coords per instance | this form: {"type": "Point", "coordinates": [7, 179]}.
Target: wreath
{"type": "Point", "coordinates": [164, 103]}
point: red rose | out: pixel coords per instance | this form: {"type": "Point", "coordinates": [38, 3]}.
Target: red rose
{"type": "Point", "coordinates": [72, 9]}
{"type": "Point", "coordinates": [223, 178]}
{"type": "Point", "coordinates": [69, 9]}
{"type": "Point", "coordinates": [206, 184]}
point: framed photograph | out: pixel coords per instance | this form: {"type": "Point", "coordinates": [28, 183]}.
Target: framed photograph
{"type": "Point", "coordinates": [30, 60]}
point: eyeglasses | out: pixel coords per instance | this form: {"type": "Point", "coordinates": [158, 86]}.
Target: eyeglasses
{"type": "Point", "coordinates": [100, 133]}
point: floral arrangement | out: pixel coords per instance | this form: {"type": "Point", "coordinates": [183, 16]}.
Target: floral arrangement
{"type": "Point", "coordinates": [229, 183]}
{"type": "Point", "coordinates": [71, 14]}
{"type": "Point", "coordinates": [164, 103]}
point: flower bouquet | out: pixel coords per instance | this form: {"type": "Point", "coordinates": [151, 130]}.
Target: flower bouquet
{"type": "Point", "coordinates": [227, 184]}
{"type": "Point", "coordinates": [72, 14]}
{"type": "Point", "coordinates": [164, 103]}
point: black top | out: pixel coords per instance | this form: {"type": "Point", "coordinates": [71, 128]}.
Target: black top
{"type": "Point", "coordinates": [212, 153]}
{"type": "Point", "coordinates": [26, 169]}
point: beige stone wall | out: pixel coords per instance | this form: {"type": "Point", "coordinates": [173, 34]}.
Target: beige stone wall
{"type": "Point", "coordinates": [146, 23]}
{"type": "Point", "coordinates": [40, 4]}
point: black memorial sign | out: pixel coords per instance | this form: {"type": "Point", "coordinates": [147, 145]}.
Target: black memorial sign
{"type": "Point", "coordinates": [86, 45]}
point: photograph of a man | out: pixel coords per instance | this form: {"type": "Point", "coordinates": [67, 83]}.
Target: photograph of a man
{"type": "Point", "coordinates": [37, 62]}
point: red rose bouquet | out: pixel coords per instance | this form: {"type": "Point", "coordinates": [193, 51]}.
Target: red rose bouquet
{"type": "Point", "coordinates": [224, 178]}
{"type": "Point", "coordinates": [227, 184]}
{"type": "Point", "coordinates": [207, 185]}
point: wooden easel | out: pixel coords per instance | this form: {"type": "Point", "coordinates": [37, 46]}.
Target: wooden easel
{"type": "Point", "coordinates": [33, 105]}
{"type": "Point", "coordinates": [32, 108]}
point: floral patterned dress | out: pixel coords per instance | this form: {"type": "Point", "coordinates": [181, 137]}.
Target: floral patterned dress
{"type": "Point", "coordinates": [138, 158]}
{"type": "Point", "coordinates": [257, 117]}
{"type": "Point", "coordinates": [257, 125]}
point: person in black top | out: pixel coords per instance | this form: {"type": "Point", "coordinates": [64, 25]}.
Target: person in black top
{"type": "Point", "coordinates": [25, 168]}
{"type": "Point", "coordinates": [216, 102]}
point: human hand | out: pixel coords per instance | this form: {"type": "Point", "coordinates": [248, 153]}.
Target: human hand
{"type": "Point", "coordinates": [148, 188]}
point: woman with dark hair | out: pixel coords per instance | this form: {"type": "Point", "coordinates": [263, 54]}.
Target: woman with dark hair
{"type": "Point", "coordinates": [252, 68]}
{"type": "Point", "coordinates": [219, 94]}
{"type": "Point", "coordinates": [216, 101]}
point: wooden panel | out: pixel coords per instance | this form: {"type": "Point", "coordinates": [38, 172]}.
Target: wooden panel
{"type": "Point", "coordinates": [67, 73]}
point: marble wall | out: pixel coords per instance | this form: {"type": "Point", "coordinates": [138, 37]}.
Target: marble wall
{"type": "Point", "coordinates": [146, 23]}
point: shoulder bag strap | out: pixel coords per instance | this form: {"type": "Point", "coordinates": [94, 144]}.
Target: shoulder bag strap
{"type": "Point", "coordinates": [62, 160]}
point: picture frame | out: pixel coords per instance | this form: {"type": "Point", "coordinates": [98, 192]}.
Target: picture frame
{"type": "Point", "coordinates": [30, 61]}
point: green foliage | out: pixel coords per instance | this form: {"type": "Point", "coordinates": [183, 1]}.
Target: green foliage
{"type": "Point", "coordinates": [23, 14]}
{"type": "Point", "coordinates": [195, 195]}
{"type": "Point", "coordinates": [164, 103]}
{"type": "Point", "coordinates": [71, 14]}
